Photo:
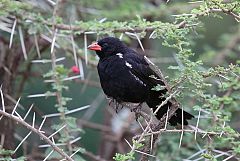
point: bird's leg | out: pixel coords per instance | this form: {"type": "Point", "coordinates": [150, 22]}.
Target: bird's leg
{"type": "Point", "coordinates": [137, 110]}
{"type": "Point", "coordinates": [119, 105]}
{"type": "Point", "coordinates": [122, 106]}
{"type": "Point", "coordinates": [110, 101]}
{"type": "Point", "coordinates": [116, 106]}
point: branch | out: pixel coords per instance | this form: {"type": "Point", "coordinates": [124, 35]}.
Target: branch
{"type": "Point", "coordinates": [128, 28]}
{"type": "Point", "coordinates": [36, 131]}
{"type": "Point", "coordinates": [228, 11]}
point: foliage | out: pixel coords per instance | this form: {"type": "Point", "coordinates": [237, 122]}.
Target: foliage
{"type": "Point", "coordinates": [7, 155]}
{"type": "Point", "coordinates": [195, 74]}
{"type": "Point", "coordinates": [123, 157]}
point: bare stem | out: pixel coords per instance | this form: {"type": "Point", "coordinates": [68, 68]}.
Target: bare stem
{"type": "Point", "coordinates": [36, 131]}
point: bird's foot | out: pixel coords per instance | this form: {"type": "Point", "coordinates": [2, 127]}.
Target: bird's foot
{"type": "Point", "coordinates": [110, 101]}
{"type": "Point", "coordinates": [137, 110]}
{"type": "Point", "coordinates": [116, 105]}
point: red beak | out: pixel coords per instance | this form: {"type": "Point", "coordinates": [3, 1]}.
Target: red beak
{"type": "Point", "coordinates": [95, 47]}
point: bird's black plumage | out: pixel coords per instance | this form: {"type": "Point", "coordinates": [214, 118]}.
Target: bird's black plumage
{"type": "Point", "coordinates": [127, 77]}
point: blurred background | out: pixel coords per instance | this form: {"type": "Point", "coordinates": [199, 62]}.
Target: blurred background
{"type": "Point", "coordinates": [101, 131]}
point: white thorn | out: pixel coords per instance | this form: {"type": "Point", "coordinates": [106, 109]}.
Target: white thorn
{"type": "Point", "coordinates": [57, 131]}
{"type": "Point", "coordinates": [22, 42]}
{"type": "Point", "coordinates": [43, 121]}
{"type": "Point", "coordinates": [47, 145]}
{"type": "Point", "coordinates": [53, 40]}
{"type": "Point", "coordinates": [3, 104]}
{"type": "Point", "coordinates": [15, 107]}
{"type": "Point", "coordinates": [41, 95]}
{"type": "Point", "coordinates": [180, 141]}
{"type": "Point", "coordinates": [28, 112]}
{"type": "Point", "coordinates": [85, 48]}
{"type": "Point", "coordinates": [48, 155]}
{"type": "Point", "coordinates": [74, 50]}
{"type": "Point", "coordinates": [12, 33]}
{"type": "Point", "coordinates": [22, 141]}
{"type": "Point", "coordinates": [68, 112]}
{"type": "Point", "coordinates": [37, 46]}
{"type": "Point", "coordinates": [128, 143]}
{"type": "Point", "coordinates": [199, 113]}
{"type": "Point", "coordinates": [48, 60]}
{"type": "Point", "coordinates": [75, 140]}
{"type": "Point", "coordinates": [81, 68]}
{"type": "Point", "coordinates": [33, 122]}
{"type": "Point", "coordinates": [18, 115]}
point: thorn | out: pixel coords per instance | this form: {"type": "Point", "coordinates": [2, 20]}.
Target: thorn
{"type": "Point", "coordinates": [74, 50]}
{"type": "Point", "coordinates": [33, 122]}
{"type": "Point", "coordinates": [53, 40]}
{"type": "Point", "coordinates": [2, 139]}
{"type": "Point", "coordinates": [43, 121]}
{"type": "Point", "coordinates": [68, 112]}
{"type": "Point", "coordinates": [22, 42]}
{"type": "Point", "coordinates": [16, 105]}
{"type": "Point", "coordinates": [48, 155]}
{"type": "Point", "coordinates": [102, 20]}
{"type": "Point", "coordinates": [166, 121]}
{"type": "Point", "coordinates": [75, 140]}
{"type": "Point", "coordinates": [180, 141]}
{"type": "Point", "coordinates": [141, 125]}
{"type": "Point", "coordinates": [37, 46]}
{"type": "Point", "coordinates": [222, 127]}
{"type": "Point", "coordinates": [3, 104]}
{"type": "Point", "coordinates": [49, 40]}
{"type": "Point", "coordinates": [85, 48]}
{"type": "Point", "coordinates": [12, 33]}
{"type": "Point", "coordinates": [57, 131]}
{"type": "Point", "coordinates": [19, 116]}
{"type": "Point", "coordinates": [47, 94]}
{"type": "Point", "coordinates": [28, 112]}
{"type": "Point", "coordinates": [48, 60]}
{"type": "Point", "coordinates": [81, 69]}
{"type": "Point", "coordinates": [151, 147]}
{"type": "Point", "coordinates": [121, 36]}
{"type": "Point", "coordinates": [128, 143]}
{"type": "Point", "coordinates": [22, 141]}
{"type": "Point", "coordinates": [199, 113]}
{"type": "Point", "coordinates": [47, 145]}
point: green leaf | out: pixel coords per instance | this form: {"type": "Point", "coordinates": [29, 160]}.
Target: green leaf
{"type": "Point", "coordinates": [158, 88]}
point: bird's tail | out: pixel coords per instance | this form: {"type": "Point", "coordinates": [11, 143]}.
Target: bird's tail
{"type": "Point", "coordinates": [176, 118]}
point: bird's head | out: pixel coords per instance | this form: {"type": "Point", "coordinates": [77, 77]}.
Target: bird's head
{"type": "Point", "coordinates": [107, 47]}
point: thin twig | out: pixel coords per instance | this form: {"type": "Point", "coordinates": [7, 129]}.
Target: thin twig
{"type": "Point", "coordinates": [16, 119]}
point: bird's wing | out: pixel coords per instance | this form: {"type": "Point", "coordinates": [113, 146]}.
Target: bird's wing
{"type": "Point", "coordinates": [140, 68]}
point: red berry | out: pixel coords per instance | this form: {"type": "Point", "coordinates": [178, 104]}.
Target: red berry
{"type": "Point", "coordinates": [75, 69]}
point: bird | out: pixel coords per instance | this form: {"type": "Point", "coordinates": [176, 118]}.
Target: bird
{"type": "Point", "coordinates": [126, 76]}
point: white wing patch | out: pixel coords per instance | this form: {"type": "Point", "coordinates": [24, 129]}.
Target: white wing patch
{"type": "Point", "coordinates": [137, 79]}
{"type": "Point", "coordinates": [120, 55]}
{"type": "Point", "coordinates": [128, 64]}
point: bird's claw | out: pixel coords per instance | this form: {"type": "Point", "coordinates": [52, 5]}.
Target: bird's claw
{"type": "Point", "coordinates": [137, 116]}
{"type": "Point", "coordinates": [115, 104]}
{"type": "Point", "coordinates": [110, 101]}
{"type": "Point", "coordinates": [137, 110]}
{"type": "Point", "coordinates": [116, 107]}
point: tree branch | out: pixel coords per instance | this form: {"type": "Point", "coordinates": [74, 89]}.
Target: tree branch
{"type": "Point", "coordinates": [36, 131]}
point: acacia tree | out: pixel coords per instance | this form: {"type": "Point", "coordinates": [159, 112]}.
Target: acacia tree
{"type": "Point", "coordinates": [203, 77]}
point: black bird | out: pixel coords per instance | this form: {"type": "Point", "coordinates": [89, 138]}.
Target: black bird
{"type": "Point", "coordinates": [126, 77]}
